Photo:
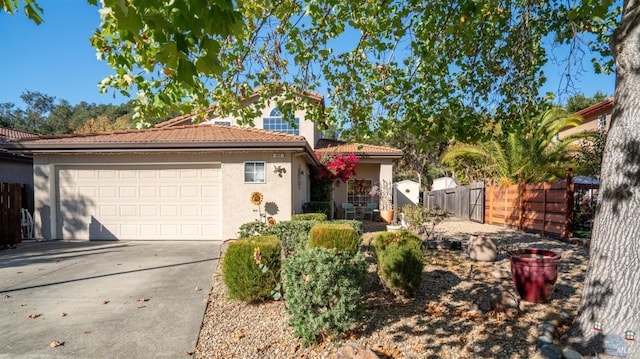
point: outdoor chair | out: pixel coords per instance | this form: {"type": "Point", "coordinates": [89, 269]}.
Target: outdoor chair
{"type": "Point", "coordinates": [347, 209]}
{"type": "Point", "coordinates": [26, 224]}
{"type": "Point", "coordinates": [369, 210]}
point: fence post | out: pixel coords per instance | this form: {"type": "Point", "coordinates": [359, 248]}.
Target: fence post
{"type": "Point", "coordinates": [491, 194]}
{"type": "Point", "coordinates": [568, 223]}
{"type": "Point", "coordinates": [521, 189]}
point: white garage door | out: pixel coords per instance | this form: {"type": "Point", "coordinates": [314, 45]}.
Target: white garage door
{"type": "Point", "coordinates": [139, 202]}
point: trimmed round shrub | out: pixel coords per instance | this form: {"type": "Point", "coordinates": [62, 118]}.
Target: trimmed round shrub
{"type": "Point", "coordinates": [322, 289]}
{"type": "Point", "coordinates": [309, 217]}
{"type": "Point", "coordinates": [332, 235]}
{"type": "Point", "coordinates": [400, 261]}
{"type": "Point", "coordinates": [294, 235]}
{"type": "Point", "coordinates": [356, 225]}
{"type": "Point", "coordinates": [242, 273]}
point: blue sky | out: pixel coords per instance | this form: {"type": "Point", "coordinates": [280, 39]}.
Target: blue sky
{"type": "Point", "coordinates": [57, 59]}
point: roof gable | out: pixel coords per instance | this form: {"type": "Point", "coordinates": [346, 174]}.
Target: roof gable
{"type": "Point", "coordinates": [212, 112]}
{"type": "Point", "coordinates": [327, 146]}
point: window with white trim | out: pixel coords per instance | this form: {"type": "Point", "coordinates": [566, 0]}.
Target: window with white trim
{"type": "Point", "coordinates": [275, 122]}
{"type": "Point", "coordinates": [254, 172]}
{"type": "Point", "coordinates": [602, 121]}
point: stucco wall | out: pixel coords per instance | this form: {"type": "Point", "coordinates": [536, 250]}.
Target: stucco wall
{"type": "Point", "coordinates": [407, 192]}
{"type": "Point", "coordinates": [301, 183]}
{"type": "Point", "coordinates": [589, 123]}
{"type": "Point", "coordinates": [236, 207]}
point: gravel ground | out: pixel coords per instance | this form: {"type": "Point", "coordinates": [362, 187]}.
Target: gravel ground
{"type": "Point", "coordinates": [437, 323]}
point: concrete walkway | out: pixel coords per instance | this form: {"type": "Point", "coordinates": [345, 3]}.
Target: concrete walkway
{"type": "Point", "coordinates": [104, 299]}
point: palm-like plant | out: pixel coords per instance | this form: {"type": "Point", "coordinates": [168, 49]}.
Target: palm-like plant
{"type": "Point", "coordinates": [534, 151]}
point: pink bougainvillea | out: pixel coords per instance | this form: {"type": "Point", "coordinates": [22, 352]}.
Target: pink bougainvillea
{"type": "Point", "coordinates": [337, 167]}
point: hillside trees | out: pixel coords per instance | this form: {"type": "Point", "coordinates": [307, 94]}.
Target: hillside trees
{"type": "Point", "coordinates": [579, 101]}
{"type": "Point", "coordinates": [43, 114]}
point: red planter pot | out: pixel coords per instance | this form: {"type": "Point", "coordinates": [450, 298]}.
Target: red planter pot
{"type": "Point", "coordinates": [534, 272]}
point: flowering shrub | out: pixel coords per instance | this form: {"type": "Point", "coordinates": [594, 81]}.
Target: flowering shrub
{"type": "Point", "coordinates": [337, 167]}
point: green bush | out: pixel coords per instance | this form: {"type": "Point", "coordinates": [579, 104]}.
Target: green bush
{"type": "Point", "coordinates": [309, 217]}
{"type": "Point", "coordinates": [400, 261]}
{"type": "Point", "coordinates": [356, 225]}
{"type": "Point", "coordinates": [334, 235]}
{"type": "Point", "coordinates": [294, 235]}
{"type": "Point", "coordinates": [242, 274]}
{"type": "Point", "coordinates": [317, 207]}
{"type": "Point", "coordinates": [422, 219]}
{"type": "Point", "coordinates": [322, 288]}
{"type": "Point", "coordinates": [255, 228]}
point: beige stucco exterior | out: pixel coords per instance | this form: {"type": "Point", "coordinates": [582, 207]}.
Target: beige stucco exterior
{"type": "Point", "coordinates": [282, 195]}
{"type": "Point", "coordinates": [286, 189]}
{"type": "Point", "coordinates": [308, 129]}
{"type": "Point", "coordinates": [380, 171]}
{"type": "Point", "coordinates": [595, 117]}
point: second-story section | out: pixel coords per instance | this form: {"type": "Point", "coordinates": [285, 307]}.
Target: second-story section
{"type": "Point", "coordinates": [271, 119]}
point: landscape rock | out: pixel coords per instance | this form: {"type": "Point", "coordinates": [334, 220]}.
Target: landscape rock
{"type": "Point", "coordinates": [498, 299]}
{"type": "Point", "coordinates": [482, 248]}
{"type": "Point", "coordinates": [571, 354]}
{"type": "Point", "coordinates": [500, 274]}
{"type": "Point", "coordinates": [550, 351]}
{"type": "Point", "coordinates": [542, 341]}
{"type": "Point", "coordinates": [354, 351]}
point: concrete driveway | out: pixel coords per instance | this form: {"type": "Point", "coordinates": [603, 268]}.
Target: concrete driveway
{"type": "Point", "coordinates": [104, 299]}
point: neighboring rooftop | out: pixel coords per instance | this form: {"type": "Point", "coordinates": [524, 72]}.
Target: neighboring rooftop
{"type": "Point", "coordinates": [596, 107]}
{"type": "Point", "coordinates": [328, 146]}
{"type": "Point", "coordinates": [7, 134]}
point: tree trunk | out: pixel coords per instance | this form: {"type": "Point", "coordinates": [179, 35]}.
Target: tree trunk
{"type": "Point", "coordinates": [611, 297]}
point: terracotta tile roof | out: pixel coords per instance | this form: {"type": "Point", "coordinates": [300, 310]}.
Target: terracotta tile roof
{"type": "Point", "coordinates": [360, 149]}
{"type": "Point", "coordinates": [185, 119]}
{"type": "Point", "coordinates": [10, 133]}
{"type": "Point", "coordinates": [596, 107]}
{"type": "Point", "coordinates": [176, 135]}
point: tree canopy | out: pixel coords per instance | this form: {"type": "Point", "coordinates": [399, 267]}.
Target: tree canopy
{"type": "Point", "coordinates": [44, 114]}
{"type": "Point", "coordinates": [442, 69]}
{"type": "Point", "coordinates": [579, 101]}
{"type": "Point", "coordinates": [535, 153]}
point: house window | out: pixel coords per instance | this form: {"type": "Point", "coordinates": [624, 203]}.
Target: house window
{"type": "Point", "coordinates": [275, 122]}
{"type": "Point", "coordinates": [223, 123]}
{"type": "Point", "coordinates": [358, 191]}
{"type": "Point", "coordinates": [602, 121]}
{"type": "Point", "coordinates": [254, 172]}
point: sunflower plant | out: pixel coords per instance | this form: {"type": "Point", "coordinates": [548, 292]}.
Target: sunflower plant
{"type": "Point", "coordinates": [256, 199]}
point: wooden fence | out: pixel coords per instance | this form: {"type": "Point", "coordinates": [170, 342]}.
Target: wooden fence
{"type": "Point", "coordinates": [467, 202]}
{"type": "Point", "coordinates": [10, 218]}
{"type": "Point", "coordinates": [545, 208]}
